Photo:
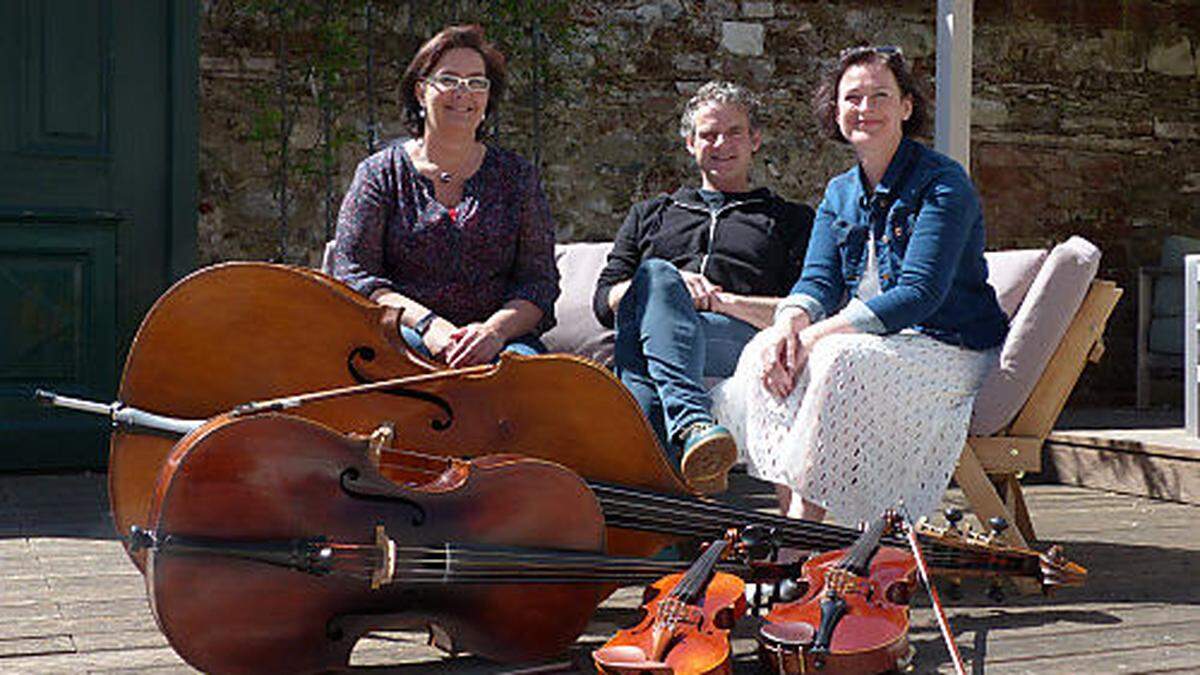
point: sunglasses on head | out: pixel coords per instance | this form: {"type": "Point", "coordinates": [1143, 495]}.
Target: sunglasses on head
{"type": "Point", "coordinates": [888, 51]}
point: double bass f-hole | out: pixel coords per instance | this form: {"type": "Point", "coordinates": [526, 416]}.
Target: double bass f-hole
{"type": "Point", "coordinates": [367, 354]}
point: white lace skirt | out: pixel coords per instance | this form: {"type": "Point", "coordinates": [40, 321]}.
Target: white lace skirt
{"type": "Point", "coordinates": [873, 420]}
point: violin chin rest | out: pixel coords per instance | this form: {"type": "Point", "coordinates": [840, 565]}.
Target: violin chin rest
{"type": "Point", "coordinates": [789, 633]}
{"type": "Point", "coordinates": [621, 658]}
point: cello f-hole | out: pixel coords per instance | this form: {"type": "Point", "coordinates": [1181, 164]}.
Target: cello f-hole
{"type": "Point", "coordinates": [367, 354]}
{"type": "Point", "coordinates": [352, 484]}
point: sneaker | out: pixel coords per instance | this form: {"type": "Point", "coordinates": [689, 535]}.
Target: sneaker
{"type": "Point", "coordinates": [709, 451]}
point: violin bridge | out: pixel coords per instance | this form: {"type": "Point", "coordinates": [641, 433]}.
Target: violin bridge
{"type": "Point", "coordinates": [385, 572]}
{"type": "Point", "coordinates": [381, 438]}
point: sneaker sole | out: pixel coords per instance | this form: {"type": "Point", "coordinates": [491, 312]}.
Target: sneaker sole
{"type": "Point", "coordinates": [710, 460]}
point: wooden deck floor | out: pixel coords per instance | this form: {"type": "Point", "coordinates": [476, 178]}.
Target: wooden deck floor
{"type": "Point", "coordinates": [71, 602]}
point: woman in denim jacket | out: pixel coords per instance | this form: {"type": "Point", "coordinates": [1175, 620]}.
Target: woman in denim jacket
{"type": "Point", "coordinates": [858, 397]}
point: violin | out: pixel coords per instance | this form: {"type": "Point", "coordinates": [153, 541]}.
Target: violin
{"type": "Point", "coordinates": [853, 618]}
{"type": "Point", "coordinates": [685, 626]}
{"type": "Point", "coordinates": [275, 543]}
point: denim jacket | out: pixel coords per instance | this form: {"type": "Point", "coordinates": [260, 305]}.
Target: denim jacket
{"type": "Point", "coordinates": [929, 238]}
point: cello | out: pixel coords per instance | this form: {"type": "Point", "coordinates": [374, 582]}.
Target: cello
{"type": "Point", "coordinates": [275, 544]}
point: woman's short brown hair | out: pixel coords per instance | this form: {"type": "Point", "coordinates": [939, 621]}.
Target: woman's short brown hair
{"type": "Point", "coordinates": [426, 59]}
{"type": "Point", "coordinates": [825, 103]}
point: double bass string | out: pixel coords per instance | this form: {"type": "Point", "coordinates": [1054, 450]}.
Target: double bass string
{"type": "Point", "coordinates": [625, 507]}
{"type": "Point", "coordinates": [631, 508]}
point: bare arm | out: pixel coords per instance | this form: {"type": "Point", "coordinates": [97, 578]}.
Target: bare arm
{"type": "Point", "coordinates": [437, 338]}
{"type": "Point", "coordinates": [756, 310]}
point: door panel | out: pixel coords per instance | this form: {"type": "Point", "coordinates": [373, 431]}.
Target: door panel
{"type": "Point", "coordinates": [97, 147]}
{"type": "Point", "coordinates": [58, 310]}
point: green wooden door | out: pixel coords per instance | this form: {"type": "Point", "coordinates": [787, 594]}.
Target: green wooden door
{"type": "Point", "coordinates": [97, 192]}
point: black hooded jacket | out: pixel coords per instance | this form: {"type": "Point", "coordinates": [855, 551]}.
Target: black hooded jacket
{"type": "Point", "coordinates": [754, 244]}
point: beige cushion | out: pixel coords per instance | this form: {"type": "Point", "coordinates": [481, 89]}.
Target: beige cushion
{"type": "Point", "coordinates": [1037, 327]}
{"type": "Point", "coordinates": [577, 330]}
{"type": "Point", "coordinates": [1011, 273]}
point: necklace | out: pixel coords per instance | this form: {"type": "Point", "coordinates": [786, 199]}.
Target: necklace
{"type": "Point", "coordinates": [444, 177]}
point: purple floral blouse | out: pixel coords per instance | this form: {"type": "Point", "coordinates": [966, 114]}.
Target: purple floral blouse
{"type": "Point", "coordinates": [463, 262]}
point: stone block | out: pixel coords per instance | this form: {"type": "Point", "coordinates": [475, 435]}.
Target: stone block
{"type": "Point", "coordinates": [918, 40]}
{"type": "Point", "coordinates": [649, 13]}
{"type": "Point", "coordinates": [721, 9]}
{"type": "Point", "coordinates": [1191, 184]}
{"type": "Point", "coordinates": [758, 10]}
{"type": "Point", "coordinates": [741, 38]}
{"type": "Point", "coordinates": [671, 9]}
{"type": "Point", "coordinates": [1174, 130]}
{"type": "Point", "coordinates": [689, 63]}
{"type": "Point", "coordinates": [761, 70]}
{"type": "Point", "coordinates": [986, 112]}
{"type": "Point", "coordinates": [1172, 58]}
{"type": "Point", "coordinates": [1115, 51]}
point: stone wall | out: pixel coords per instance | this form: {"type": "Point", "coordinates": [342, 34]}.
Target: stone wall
{"type": "Point", "coordinates": [1086, 120]}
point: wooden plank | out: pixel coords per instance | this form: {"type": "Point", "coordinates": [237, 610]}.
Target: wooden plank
{"type": "Point", "coordinates": [130, 659]}
{"type": "Point", "coordinates": [1008, 454]}
{"type": "Point", "coordinates": [36, 646]}
{"type": "Point", "coordinates": [1050, 393]}
{"type": "Point", "coordinates": [1171, 442]}
{"type": "Point", "coordinates": [1159, 477]}
{"type": "Point", "coordinates": [982, 496]}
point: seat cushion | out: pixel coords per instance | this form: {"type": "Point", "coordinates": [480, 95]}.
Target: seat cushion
{"type": "Point", "coordinates": [1034, 333]}
{"type": "Point", "coordinates": [1011, 273]}
{"type": "Point", "coordinates": [577, 330]}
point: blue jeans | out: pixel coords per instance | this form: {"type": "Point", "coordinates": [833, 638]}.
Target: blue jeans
{"type": "Point", "coordinates": [525, 345]}
{"type": "Point", "coordinates": [665, 348]}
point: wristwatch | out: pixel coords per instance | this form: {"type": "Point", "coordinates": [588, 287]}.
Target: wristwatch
{"type": "Point", "coordinates": [422, 326]}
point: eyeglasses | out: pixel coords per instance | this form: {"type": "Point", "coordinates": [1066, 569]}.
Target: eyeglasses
{"type": "Point", "coordinates": [448, 82]}
{"type": "Point", "coordinates": [887, 51]}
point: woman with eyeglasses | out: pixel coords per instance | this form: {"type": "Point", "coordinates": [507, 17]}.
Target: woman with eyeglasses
{"type": "Point", "coordinates": [454, 231]}
{"type": "Point", "coordinates": [858, 397]}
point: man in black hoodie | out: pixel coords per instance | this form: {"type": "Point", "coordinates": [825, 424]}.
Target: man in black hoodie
{"type": "Point", "coordinates": [694, 275]}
